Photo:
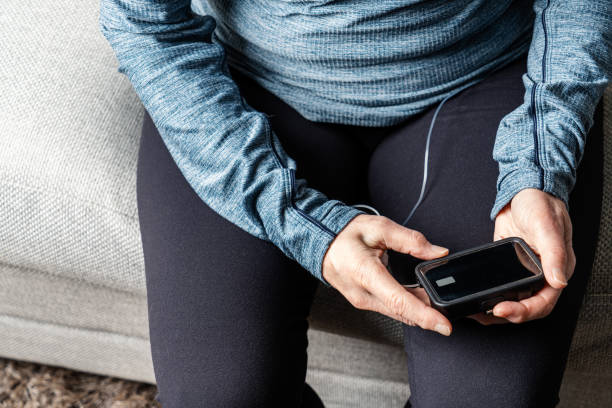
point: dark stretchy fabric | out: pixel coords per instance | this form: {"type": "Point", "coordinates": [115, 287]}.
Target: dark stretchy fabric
{"type": "Point", "coordinates": [227, 311]}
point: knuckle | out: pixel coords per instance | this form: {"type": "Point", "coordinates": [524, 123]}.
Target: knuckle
{"type": "Point", "coordinates": [517, 318]}
{"type": "Point", "coordinates": [528, 312]}
{"type": "Point", "coordinates": [377, 229]}
{"type": "Point", "coordinates": [383, 222]}
{"type": "Point", "coordinates": [409, 320]}
{"type": "Point", "coordinates": [559, 210]}
{"type": "Point", "coordinates": [397, 304]}
{"type": "Point", "coordinates": [417, 237]}
{"type": "Point", "coordinates": [558, 249]}
{"type": "Point", "coordinates": [558, 252]}
{"type": "Point", "coordinates": [359, 301]}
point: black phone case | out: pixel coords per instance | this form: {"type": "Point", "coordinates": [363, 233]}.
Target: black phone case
{"type": "Point", "coordinates": [487, 299]}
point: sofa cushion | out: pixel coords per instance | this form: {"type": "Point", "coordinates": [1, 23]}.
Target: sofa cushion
{"type": "Point", "coordinates": [70, 132]}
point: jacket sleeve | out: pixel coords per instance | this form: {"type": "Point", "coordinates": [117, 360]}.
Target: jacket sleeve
{"type": "Point", "coordinates": [540, 144]}
{"type": "Point", "coordinates": [226, 150]}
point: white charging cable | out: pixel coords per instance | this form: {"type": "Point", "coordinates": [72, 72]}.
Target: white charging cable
{"type": "Point", "coordinates": [367, 207]}
{"type": "Point", "coordinates": [426, 158]}
{"type": "Point", "coordinates": [385, 256]}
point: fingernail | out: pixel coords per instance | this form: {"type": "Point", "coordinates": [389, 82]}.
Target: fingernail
{"type": "Point", "coordinates": [438, 249]}
{"type": "Point", "coordinates": [442, 329]}
{"type": "Point", "coordinates": [558, 276]}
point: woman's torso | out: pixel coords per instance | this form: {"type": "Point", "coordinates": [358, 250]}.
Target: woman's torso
{"type": "Point", "coordinates": [368, 63]}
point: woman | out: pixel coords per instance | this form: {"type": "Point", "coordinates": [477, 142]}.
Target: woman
{"type": "Point", "coordinates": [269, 120]}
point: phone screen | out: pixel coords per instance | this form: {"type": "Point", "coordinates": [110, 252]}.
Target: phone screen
{"type": "Point", "coordinates": [481, 270]}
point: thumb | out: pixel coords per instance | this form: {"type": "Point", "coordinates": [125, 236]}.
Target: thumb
{"type": "Point", "coordinates": [554, 257]}
{"type": "Point", "coordinates": [409, 241]}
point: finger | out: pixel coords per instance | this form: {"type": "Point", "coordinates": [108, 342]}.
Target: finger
{"type": "Point", "coordinates": [359, 298]}
{"type": "Point", "coordinates": [380, 307]}
{"type": "Point", "coordinates": [550, 241]}
{"type": "Point", "coordinates": [571, 263]}
{"type": "Point", "coordinates": [534, 307]}
{"type": "Point", "coordinates": [514, 312]}
{"type": "Point", "coordinates": [486, 319]}
{"type": "Point", "coordinates": [397, 300]}
{"type": "Point", "coordinates": [420, 294]}
{"type": "Point", "coordinates": [542, 303]}
{"type": "Point", "coordinates": [364, 300]}
{"type": "Point", "coordinates": [409, 241]}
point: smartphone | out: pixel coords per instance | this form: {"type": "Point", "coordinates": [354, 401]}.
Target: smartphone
{"type": "Point", "coordinates": [476, 279]}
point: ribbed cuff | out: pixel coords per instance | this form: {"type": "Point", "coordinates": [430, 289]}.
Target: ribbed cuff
{"type": "Point", "coordinates": [337, 218]}
{"type": "Point", "coordinates": [520, 179]}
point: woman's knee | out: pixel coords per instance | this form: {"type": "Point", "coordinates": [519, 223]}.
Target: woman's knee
{"type": "Point", "coordinates": [237, 364]}
{"type": "Point", "coordinates": [510, 396]}
{"type": "Point", "coordinates": [242, 387]}
{"type": "Point", "coordinates": [482, 366]}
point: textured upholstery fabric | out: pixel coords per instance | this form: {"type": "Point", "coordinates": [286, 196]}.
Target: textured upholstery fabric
{"type": "Point", "coordinates": [349, 372]}
{"type": "Point", "coordinates": [70, 129]}
{"type": "Point", "coordinates": [592, 344]}
{"type": "Point", "coordinates": [71, 271]}
{"type": "Point", "coordinates": [43, 297]}
{"type": "Point", "coordinates": [99, 352]}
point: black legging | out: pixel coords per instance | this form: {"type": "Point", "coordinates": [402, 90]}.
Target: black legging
{"type": "Point", "coordinates": [227, 311]}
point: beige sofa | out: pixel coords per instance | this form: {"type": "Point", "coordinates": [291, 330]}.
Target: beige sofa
{"type": "Point", "coordinates": [72, 289]}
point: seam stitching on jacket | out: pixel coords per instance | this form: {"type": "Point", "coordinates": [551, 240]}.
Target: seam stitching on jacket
{"type": "Point", "coordinates": [534, 119]}
{"type": "Point", "coordinates": [301, 212]}
{"type": "Point", "coordinates": [292, 184]}
{"type": "Point", "coordinates": [295, 214]}
{"type": "Point", "coordinates": [540, 124]}
{"type": "Point", "coordinates": [270, 142]}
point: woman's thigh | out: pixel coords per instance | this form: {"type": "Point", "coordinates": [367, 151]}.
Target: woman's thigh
{"type": "Point", "coordinates": [502, 365]}
{"type": "Point", "coordinates": [227, 311]}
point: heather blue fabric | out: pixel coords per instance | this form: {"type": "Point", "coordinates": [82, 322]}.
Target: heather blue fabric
{"type": "Point", "coordinates": [362, 63]}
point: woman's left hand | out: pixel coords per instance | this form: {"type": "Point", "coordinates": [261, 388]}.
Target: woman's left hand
{"type": "Point", "coordinates": [543, 222]}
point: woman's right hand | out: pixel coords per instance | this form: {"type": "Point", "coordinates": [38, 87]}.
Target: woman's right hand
{"type": "Point", "coordinates": [353, 265]}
